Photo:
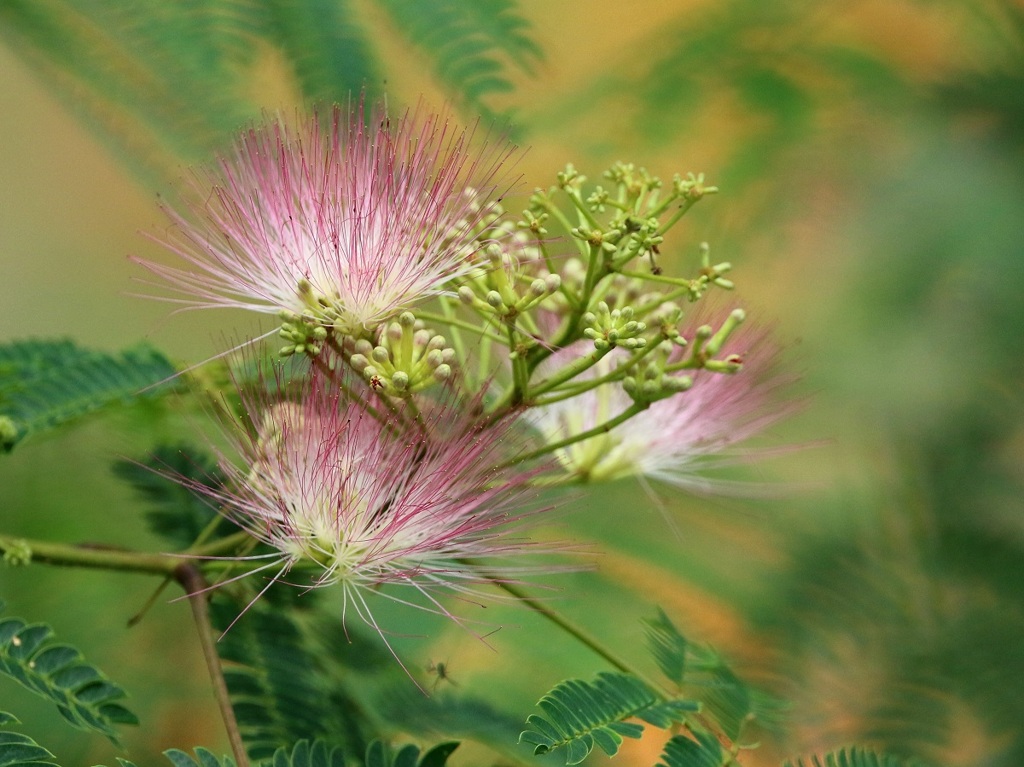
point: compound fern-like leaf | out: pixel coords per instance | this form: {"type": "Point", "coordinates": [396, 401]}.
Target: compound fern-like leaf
{"type": "Point", "coordinates": [702, 673]}
{"type": "Point", "coordinates": [308, 754]}
{"type": "Point", "coordinates": [471, 44]}
{"type": "Point", "coordinates": [681, 751]}
{"type": "Point", "coordinates": [581, 715]}
{"type": "Point", "coordinates": [380, 754]}
{"type": "Point", "coordinates": [46, 383]}
{"type": "Point", "coordinates": [272, 676]}
{"type": "Point", "coordinates": [326, 48]}
{"type": "Point", "coordinates": [668, 647]}
{"type": "Point", "coordinates": [84, 696]}
{"type": "Point", "coordinates": [17, 750]}
{"type": "Point", "coordinates": [166, 480]}
{"type": "Point", "coordinates": [855, 757]}
{"type": "Point", "coordinates": [205, 758]}
{"type": "Point", "coordinates": [158, 81]}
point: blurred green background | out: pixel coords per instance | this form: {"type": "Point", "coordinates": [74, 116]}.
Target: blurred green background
{"type": "Point", "coordinates": [871, 157]}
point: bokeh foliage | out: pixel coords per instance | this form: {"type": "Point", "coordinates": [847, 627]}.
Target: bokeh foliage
{"type": "Point", "coordinates": [871, 158]}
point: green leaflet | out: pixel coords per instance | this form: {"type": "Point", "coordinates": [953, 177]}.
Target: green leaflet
{"type": "Point", "coordinates": [166, 480]}
{"type": "Point", "coordinates": [380, 754]}
{"type": "Point", "coordinates": [326, 45]}
{"type": "Point", "coordinates": [204, 758]}
{"type": "Point", "coordinates": [44, 384]}
{"type": "Point", "coordinates": [56, 672]}
{"type": "Point", "coordinates": [854, 757]}
{"type": "Point", "coordinates": [159, 82]}
{"type": "Point", "coordinates": [580, 715]}
{"type": "Point", "coordinates": [471, 44]}
{"type": "Point", "coordinates": [273, 675]}
{"type": "Point", "coordinates": [704, 675]}
{"type": "Point", "coordinates": [681, 751]}
{"type": "Point", "coordinates": [170, 81]}
{"type": "Point", "coordinates": [18, 750]}
{"type": "Point", "coordinates": [667, 646]}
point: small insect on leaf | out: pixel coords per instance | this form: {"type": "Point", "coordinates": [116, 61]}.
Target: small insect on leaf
{"type": "Point", "coordinates": [440, 671]}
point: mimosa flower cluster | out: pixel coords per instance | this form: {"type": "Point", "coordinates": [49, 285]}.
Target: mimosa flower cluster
{"type": "Point", "coordinates": [453, 357]}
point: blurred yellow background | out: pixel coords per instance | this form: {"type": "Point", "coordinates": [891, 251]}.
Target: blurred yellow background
{"type": "Point", "coordinates": [871, 159]}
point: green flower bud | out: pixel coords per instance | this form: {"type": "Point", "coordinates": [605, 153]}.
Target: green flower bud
{"type": "Point", "coordinates": [8, 432]}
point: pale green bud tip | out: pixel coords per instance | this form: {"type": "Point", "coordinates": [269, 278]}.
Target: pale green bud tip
{"type": "Point", "coordinates": [466, 295]}
{"type": "Point", "coordinates": [677, 383]}
{"type": "Point", "coordinates": [363, 347]}
{"type": "Point", "coordinates": [407, 319]}
{"type": "Point", "coordinates": [442, 372]}
{"type": "Point", "coordinates": [320, 333]}
{"type": "Point", "coordinates": [18, 553]}
{"type": "Point", "coordinates": [8, 432]}
{"type": "Point", "coordinates": [400, 380]}
{"type": "Point", "coordinates": [359, 362]}
{"type": "Point", "coordinates": [380, 354]}
{"type": "Point", "coordinates": [494, 298]}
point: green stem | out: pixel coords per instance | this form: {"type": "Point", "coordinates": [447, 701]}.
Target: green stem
{"type": "Point", "coordinates": [578, 633]}
{"type": "Point", "coordinates": [448, 318]}
{"type": "Point", "coordinates": [574, 390]}
{"type": "Point", "coordinates": [595, 645]}
{"type": "Point", "coordinates": [573, 369]}
{"type": "Point", "coordinates": [677, 281]}
{"type": "Point", "coordinates": [191, 579]}
{"type": "Point", "coordinates": [455, 322]}
{"type": "Point", "coordinates": [682, 210]}
{"type": "Point", "coordinates": [93, 556]}
{"type": "Point", "coordinates": [603, 428]}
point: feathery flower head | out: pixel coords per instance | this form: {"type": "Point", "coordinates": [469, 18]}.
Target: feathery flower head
{"type": "Point", "coordinates": [676, 437]}
{"type": "Point", "coordinates": [362, 497]}
{"type": "Point", "coordinates": [340, 225]}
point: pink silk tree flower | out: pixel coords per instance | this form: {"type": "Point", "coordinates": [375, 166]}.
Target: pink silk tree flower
{"type": "Point", "coordinates": [678, 438]}
{"type": "Point", "coordinates": [343, 225]}
{"type": "Point", "coordinates": [362, 498]}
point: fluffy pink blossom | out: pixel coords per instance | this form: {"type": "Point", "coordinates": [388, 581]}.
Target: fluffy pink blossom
{"type": "Point", "coordinates": [676, 439]}
{"type": "Point", "coordinates": [363, 498]}
{"type": "Point", "coordinates": [346, 223]}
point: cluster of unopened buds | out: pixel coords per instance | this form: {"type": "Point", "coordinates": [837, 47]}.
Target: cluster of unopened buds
{"type": "Point", "coordinates": [447, 358]}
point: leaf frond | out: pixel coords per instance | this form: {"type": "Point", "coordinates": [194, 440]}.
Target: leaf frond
{"type": "Point", "coordinates": [703, 750]}
{"type": "Point", "coordinates": [17, 750]}
{"type": "Point", "coordinates": [325, 47]}
{"type": "Point", "coordinates": [472, 45]}
{"type": "Point", "coordinates": [166, 480]}
{"type": "Point", "coordinates": [44, 384]}
{"type": "Point", "coordinates": [205, 757]}
{"type": "Point", "coordinates": [272, 676]}
{"type": "Point", "coordinates": [667, 646]}
{"type": "Point", "coordinates": [854, 757]}
{"type": "Point", "coordinates": [84, 696]}
{"type": "Point", "coordinates": [580, 715]}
